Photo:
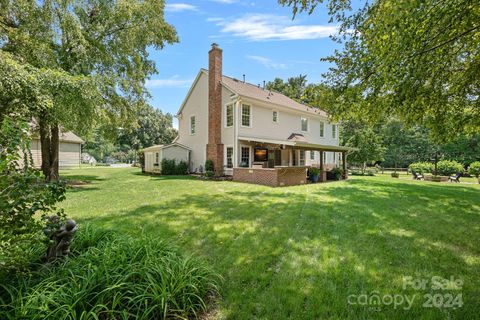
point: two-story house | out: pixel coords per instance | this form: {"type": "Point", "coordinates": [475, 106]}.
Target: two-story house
{"type": "Point", "coordinates": [254, 134]}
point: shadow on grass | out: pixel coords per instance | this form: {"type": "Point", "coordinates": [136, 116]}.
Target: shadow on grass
{"type": "Point", "coordinates": [302, 251]}
{"type": "Point", "coordinates": [87, 178]}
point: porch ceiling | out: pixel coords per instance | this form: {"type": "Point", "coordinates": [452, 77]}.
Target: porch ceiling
{"type": "Point", "coordinates": [299, 144]}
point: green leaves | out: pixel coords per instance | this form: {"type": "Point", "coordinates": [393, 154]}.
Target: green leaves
{"type": "Point", "coordinates": [417, 60]}
{"type": "Point", "coordinates": [23, 195]}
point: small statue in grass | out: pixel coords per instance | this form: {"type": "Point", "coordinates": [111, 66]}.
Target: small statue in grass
{"type": "Point", "coordinates": [61, 236]}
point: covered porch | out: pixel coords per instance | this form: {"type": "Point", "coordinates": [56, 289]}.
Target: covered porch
{"type": "Point", "coordinates": [285, 163]}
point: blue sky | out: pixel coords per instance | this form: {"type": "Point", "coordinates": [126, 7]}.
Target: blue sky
{"type": "Point", "coordinates": [258, 38]}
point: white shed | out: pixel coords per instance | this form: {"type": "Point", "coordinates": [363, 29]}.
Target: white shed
{"type": "Point", "coordinates": [155, 154]}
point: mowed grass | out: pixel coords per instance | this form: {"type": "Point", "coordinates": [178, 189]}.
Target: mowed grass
{"type": "Point", "coordinates": [301, 252]}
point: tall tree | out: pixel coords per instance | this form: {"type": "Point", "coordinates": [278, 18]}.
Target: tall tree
{"type": "Point", "coordinates": [293, 88]}
{"type": "Point", "coordinates": [369, 146]}
{"type": "Point", "coordinates": [153, 127]}
{"type": "Point", "coordinates": [105, 41]}
{"type": "Point", "coordinates": [418, 60]}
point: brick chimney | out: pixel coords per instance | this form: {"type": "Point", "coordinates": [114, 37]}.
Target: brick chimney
{"type": "Point", "coordinates": [215, 146]}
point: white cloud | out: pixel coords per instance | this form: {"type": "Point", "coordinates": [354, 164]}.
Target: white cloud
{"type": "Point", "coordinates": [268, 63]}
{"type": "Point", "coordinates": [262, 27]}
{"type": "Point", "coordinates": [172, 82]}
{"type": "Point", "coordinates": [225, 1]}
{"type": "Point", "coordinates": [179, 7]}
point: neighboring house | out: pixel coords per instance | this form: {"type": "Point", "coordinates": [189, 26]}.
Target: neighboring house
{"type": "Point", "coordinates": [155, 154]}
{"type": "Point", "coordinates": [254, 134]}
{"type": "Point", "coordinates": [69, 152]}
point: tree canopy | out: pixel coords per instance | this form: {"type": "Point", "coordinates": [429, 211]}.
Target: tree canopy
{"type": "Point", "coordinates": [103, 43]}
{"type": "Point", "coordinates": [417, 60]}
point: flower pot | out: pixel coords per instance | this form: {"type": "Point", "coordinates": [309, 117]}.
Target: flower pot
{"type": "Point", "coordinates": [314, 178]}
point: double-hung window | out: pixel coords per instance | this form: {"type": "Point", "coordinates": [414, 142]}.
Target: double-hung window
{"type": "Point", "coordinates": [245, 156]}
{"type": "Point", "coordinates": [275, 116]}
{"type": "Point", "coordinates": [304, 124]}
{"type": "Point", "coordinates": [302, 157]}
{"type": "Point", "coordinates": [334, 131]}
{"type": "Point", "coordinates": [192, 125]}
{"type": "Point", "coordinates": [322, 129]}
{"type": "Point", "coordinates": [229, 115]}
{"type": "Point", "coordinates": [229, 157]}
{"type": "Point", "coordinates": [312, 155]}
{"type": "Point", "coordinates": [246, 115]}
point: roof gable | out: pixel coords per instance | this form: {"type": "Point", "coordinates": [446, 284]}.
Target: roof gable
{"type": "Point", "coordinates": [249, 90]}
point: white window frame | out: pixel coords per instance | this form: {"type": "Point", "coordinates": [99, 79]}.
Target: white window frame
{"type": "Point", "coordinates": [226, 115]}
{"type": "Point", "coordinates": [194, 126]}
{"type": "Point", "coordinates": [249, 117]}
{"type": "Point", "coordinates": [312, 155]}
{"type": "Point", "coordinates": [301, 162]}
{"type": "Point", "coordinates": [249, 154]}
{"type": "Point", "coordinates": [322, 129]}
{"type": "Point", "coordinates": [226, 156]}
{"type": "Point", "coordinates": [157, 157]}
{"type": "Point", "coordinates": [275, 111]}
{"type": "Point", "coordinates": [334, 131]}
{"type": "Point", "coordinates": [301, 123]}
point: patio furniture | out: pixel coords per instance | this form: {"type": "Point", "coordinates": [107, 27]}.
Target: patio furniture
{"type": "Point", "coordinates": [455, 178]}
{"type": "Point", "coordinates": [417, 176]}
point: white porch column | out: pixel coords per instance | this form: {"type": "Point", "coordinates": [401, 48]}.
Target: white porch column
{"type": "Point", "coordinates": [236, 153]}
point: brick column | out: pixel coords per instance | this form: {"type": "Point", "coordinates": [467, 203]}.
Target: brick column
{"type": "Point", "coordinates": [215, 145]}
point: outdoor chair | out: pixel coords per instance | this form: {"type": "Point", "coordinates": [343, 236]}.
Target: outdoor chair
{"type": "Point", "coordinates": [417, 176]}
{"type": "Point", "coordinates": [455, 178]}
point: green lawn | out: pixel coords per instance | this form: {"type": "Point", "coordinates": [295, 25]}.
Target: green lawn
{"type": "Point", "coordinates": [302, 252]}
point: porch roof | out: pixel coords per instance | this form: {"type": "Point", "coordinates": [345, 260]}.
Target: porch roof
{"type": "Point", "coordinates": [299, 144]}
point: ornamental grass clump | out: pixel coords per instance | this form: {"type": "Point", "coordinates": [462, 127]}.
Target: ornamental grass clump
{"type": "Point", "coordinates": [113, 276]}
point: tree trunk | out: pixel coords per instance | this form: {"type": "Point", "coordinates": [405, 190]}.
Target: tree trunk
{"type": "Point", "coordinates": [49, 140]}
{"type": "Point", "coordinates": [54, 146]}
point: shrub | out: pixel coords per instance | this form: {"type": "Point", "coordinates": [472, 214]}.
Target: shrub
{"type": "Point", "coordinates": [337, 173]}
{"type": "Point", "coordinates": [168, 167]}
{"type": "Point", "coordinates": [421, 167]}
{"type": "Point", "coordinates": [209, 168]}
{"type": "Point", "coordinates": [113, 276]}
{"type": "Point", "coordinates": [447, 167]}
{"type": "Point", "coordinates": [474, 169]}
{"type": "Point", "coordinates": [395, 175]}
{"type": "Point", "coordinates": [182, 168]}
{"type": "Point", "coordinates": [313, 171]}
{"type": "Point", "coordinates": [23, 194]}
{"type": "Point", "coordinates": [209, 165]}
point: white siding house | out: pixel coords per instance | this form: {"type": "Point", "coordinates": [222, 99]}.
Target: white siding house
{"type": "Point", "coordinates": [69, 153]}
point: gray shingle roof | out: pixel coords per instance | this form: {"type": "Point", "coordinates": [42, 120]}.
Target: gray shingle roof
{"type": "Point", "coordinates": [70, 137]}
{"type": "Point", "coordinates": [249, 90]}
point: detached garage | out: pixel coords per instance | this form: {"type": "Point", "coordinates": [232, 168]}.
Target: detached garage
{"type": "Point", "coordinates": [69, 152]}
{"type": "Point", "coordinates": [155, 154]}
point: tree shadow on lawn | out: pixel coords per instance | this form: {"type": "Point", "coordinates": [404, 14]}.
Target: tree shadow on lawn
{"type": "Point", "coordinates": [87, 178]}
{"type": "Point", "coordinates": [300, 252]}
